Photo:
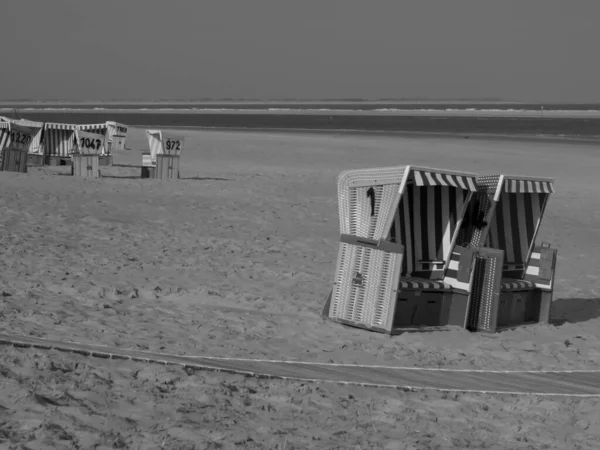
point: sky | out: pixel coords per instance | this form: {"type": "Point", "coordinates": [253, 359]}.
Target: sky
{"type": "Point", "coordinates": [519, 50]}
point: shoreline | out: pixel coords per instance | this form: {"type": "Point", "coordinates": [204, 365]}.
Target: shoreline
{"type": "Point", "coordinates": [492, 113]}
{"type": "Point", "coordinates": [389, 133]}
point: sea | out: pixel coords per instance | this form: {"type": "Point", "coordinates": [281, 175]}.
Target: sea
{"type": "Point", "coordinates": [465, 118]}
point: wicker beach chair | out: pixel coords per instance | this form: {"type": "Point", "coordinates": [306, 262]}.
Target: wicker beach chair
{"type": "Point", "coordinates": [514, 278]}
{"type": "Point", "coordinates": [398, 266]}
{"type": "Point", "coordinates": [164, 155]}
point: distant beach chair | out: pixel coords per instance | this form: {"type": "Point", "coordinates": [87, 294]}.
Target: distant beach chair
{"type": "Point", "coordinates": [87, 151]}
{"type": "Point", "coordinates": [398, 265]}
{"type": "Point", "coordinates": [162, 162]}
{"type": "Point", "coordinates": [24, 135]}
{"type": "Point", "coordinates": [514, 278]}
{"type": "Point", "coordinates": [117, 135]}
{"type": "Point", "coordinates": [58, 141]}
{"type": "Point", "coordinates": [20, 144]}
{"type": "Point", "coordinates": [105, 157]}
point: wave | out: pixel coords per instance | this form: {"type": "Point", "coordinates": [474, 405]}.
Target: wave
{"type": "Point", "coordinates": [316, 110]}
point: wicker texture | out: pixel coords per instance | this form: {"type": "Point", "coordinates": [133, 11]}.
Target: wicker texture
{"type": "Point", "coordinates": [367, 280]}
{"type": "Point", "coordinates": [355, 213]}
{"type": "Point", "coordinates": [486, 280]}
{"type": "Point", "coordinates": [365, 288]}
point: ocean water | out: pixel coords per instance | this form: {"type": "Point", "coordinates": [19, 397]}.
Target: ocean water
{"type": "Point", "coordinates": [516, 119]}
{"type": "Point", "coordinates": [322, 105]}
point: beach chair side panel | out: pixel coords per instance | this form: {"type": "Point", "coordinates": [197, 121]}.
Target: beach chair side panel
{"type": "Point", "coordinates": [366, 283]}
{"type": "Point", "coordinates": [485, 294]}
{"type": "Point", "coordinates": [14, 160]}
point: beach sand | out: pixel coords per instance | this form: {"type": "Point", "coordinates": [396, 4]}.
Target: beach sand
{"type": "Point", "coordinates": [236, 260]}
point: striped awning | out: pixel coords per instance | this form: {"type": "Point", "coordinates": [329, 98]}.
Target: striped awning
{"type": "Point", "coordinates": [59, 126]}
{"type": "Point", "coordinates": [95, 126]}
{"type": "Point", "coordinates": [510, 284]}
{"type": "Point", "coordinates": [4, 125]}
{"type": "Point", "coordinates": [528, 186]}
{"type": "Point", "coordinates": [419, 284]}
{"type": "Point", "coordinates": [431, 178]}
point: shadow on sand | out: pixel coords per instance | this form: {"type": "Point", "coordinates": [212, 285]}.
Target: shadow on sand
{"type": "Point", "coordinates": [574, 310]}
{"type": "Point", "coordinates": [134, 177]}
{"type": "Point", "coordinates": [136, 166]}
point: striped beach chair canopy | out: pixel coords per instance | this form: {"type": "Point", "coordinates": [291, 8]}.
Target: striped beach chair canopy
{"type": "Point", "coordinates": [519, 208]}
{"type": "Point", "coordinates": [418, 207]}
{"type": "Point", "coordinates": [428, 217]}
{"type": "Point", "coordinates": [423, 176]}
{"type": "Point", "coordinates": [98, 128]}
{"type": "Point", "coordinates": [4, 134]}
{"type": "Point", "coordinates": [58, 138]}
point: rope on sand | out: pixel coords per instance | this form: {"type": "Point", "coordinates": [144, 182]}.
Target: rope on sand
{"type": "Point", "coordinates": [190, 366]}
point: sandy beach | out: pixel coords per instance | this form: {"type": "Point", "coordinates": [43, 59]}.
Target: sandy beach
{"type": "Point", "coordinates": [236, 259]}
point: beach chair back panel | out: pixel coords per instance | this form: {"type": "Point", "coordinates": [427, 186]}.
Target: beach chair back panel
{"type": "Point", "coordinates": [366, 283]}
{"type": "Point", "coordinates": [172, 145]}
{"type": "Point", "coordinates": [541, 267]}
{"type": "Point", "coordinates": [514, 227]}
{"type": "Point", "coordinates": [89, 143]}
{"type": "Point", "coordinates": [425, 224]}
{"type": "Point", "coordinates": [98, 129]}
{"type": "Point", "coordinates": [365, 198]}
{"type": "Point", "coordinates": [485, 294]}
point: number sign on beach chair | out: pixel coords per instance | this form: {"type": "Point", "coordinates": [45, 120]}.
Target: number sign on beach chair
{"type": "Point", "coordinates": [105, 157]}
{"type": "Point", "coordinates": [86, 157]}
{"type": "Point", "coordinates": [398, 266]}
{"type": "Point", "coordinates": [15, 142]}
{"type": "Point", "coordinates": [514, 278]}
{"type": "Point", "coordinates": [165, 152]}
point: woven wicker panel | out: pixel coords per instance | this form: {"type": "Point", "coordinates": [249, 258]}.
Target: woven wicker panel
{"type": "Point", "coordinates": [488, 183]}
{"type": "Point", "coordinates": [365, 287]}
{"type": "Point", "coordinates": [355, 210]}
{"type": "Point", "coordinates": [485, 294]}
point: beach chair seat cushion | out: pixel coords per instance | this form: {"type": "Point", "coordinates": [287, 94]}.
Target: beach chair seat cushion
{"type": "Point", "coordinates": [511, 284]}
{"type": "Point", "coordinates": [420, 284]}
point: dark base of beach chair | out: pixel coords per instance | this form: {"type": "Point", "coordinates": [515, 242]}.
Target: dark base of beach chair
{"type": "Point", "coordinates": [35, 160]}
{"type": "Point", "coordinates": [105, 160]}
{"type": "Point", "coordinates": [422, 309]}
{"type": "Point", "coordinates": [58, 161]}
{"type": "Point", "coordinates": [147, 172]}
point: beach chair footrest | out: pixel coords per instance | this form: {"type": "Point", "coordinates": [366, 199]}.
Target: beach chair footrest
{"type": "Point", "coordinates": [420, 284]}
{"type": "Point", "coordinates": [510, 284]}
